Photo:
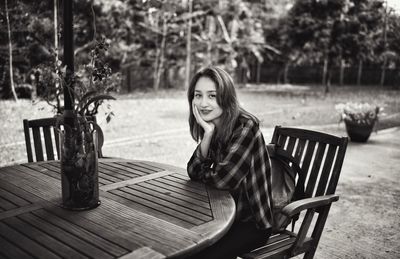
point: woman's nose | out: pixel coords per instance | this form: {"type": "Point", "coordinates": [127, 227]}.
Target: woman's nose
{"type": "Point", "coordinates": [203, 102]}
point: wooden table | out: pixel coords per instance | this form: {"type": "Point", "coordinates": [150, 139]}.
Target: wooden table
{"type": "Point", "coordinates": [148, 210]}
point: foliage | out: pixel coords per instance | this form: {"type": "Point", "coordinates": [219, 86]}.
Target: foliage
{"type": "Point", "coordinates": [91, 83]}
{"type": "Point", "coordinates": [234, 34]}
{"type": "Point", "coordinates": [358, 113]}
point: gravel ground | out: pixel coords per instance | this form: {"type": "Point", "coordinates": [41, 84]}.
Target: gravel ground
{"type": "Point", "coordinates": [153, 126]}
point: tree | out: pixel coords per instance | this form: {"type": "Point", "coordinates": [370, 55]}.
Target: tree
{"type": "Point", "coordinates": [10, 61]}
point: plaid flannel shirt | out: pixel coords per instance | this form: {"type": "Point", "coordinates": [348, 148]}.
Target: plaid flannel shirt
{"type": "Point", "coordinates": [243, 168]}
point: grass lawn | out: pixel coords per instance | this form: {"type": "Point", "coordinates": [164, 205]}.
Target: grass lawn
{"type": "Point", "coordinates": [153, 126]}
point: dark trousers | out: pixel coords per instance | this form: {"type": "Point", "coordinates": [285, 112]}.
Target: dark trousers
{"type": "Point", "coordinates": [242, 237]}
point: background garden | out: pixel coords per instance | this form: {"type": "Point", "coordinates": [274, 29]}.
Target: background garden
{"type": "Point", "coordinates": [293, 62]}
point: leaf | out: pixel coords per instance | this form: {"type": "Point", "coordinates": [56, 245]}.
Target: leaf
{"type": "Point", "coordinates": [109, 116]}
{"type": "Point", "coordinates": [85, 97]}
{"type": "Point", "coordinates": [96, 99]}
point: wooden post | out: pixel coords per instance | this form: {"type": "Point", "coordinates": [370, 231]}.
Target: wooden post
{"type": "Point", "coordinates": [188, 46]}
{"type": "Point", "coordinates": [68, 53]}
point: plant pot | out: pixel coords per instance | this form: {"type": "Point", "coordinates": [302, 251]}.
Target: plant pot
{"type": "Point", "coordinates": [359, 132]}
{"type": "Point", "coordinates": [79, 172]}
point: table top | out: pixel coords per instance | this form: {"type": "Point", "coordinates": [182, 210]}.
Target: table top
{"type": "Point", "coordinates": [148, 210]}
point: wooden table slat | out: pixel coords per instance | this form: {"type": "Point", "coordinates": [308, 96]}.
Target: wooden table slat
{"type": "Point", "coordinates": [134, 180]}
{"type": "Point", "coordinates": [44, 169]}
{"type": "Point", "coordinates": [177, 195]}
{"type": "Point", "coordinates": [155, 208]}
{"type": "Point", "coordinates": [122, 170]}
{"type": "Point", "coordinates": [9, 250]}
{"type": "Point", "coordinates": [22, 242]}
{"type": "Point", "coordinates": [115, 172]}
{"type": "Point", "coordinates": [28, 226]}
{"type": "Point", "coordinates": [186, 191]}
{"type": "Point", "coordinates": [143, 252]}
{"type": "Point", "coordinates": [105, 174]}
{"type": "Point", "coordinates": [162, 196]}
{"type": "Point", "coordinates": [75, 230]}
{"type": "Point", "coordinates": [186, 180]}
{"type": "Point", "coordinates": [202, 192]}
{"type": "Point", "coordinates": [56, 171]}
{"type": "Point", "coordinates": [6, 204]}
{"type": "Point", "coordinates": [141, 168]}
{"type": "Point", "coordinates": [44, 187]}
{"type": "Point", "coordinates": [12, 198]}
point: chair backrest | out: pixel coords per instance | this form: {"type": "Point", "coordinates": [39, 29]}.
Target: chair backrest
{"type": "Point", "coordinates": [45, 128]}
{"type": "Point", "coordinates": [41, 127]}
{"type": "Point", "coordinates": [315, 156]}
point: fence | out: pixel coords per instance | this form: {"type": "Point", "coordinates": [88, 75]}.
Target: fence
{"type": "Point", "coordinates": [274, 73]}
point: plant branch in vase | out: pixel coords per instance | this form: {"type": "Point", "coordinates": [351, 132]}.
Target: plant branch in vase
{"type": "Point", "coordinates": [79, 135]}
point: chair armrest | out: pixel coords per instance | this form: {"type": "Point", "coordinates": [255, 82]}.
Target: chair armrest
{"type": "Point", "coordinates": [295, 207]}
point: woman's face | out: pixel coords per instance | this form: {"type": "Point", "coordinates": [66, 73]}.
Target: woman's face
{"type": "Point", "coordinates": [205, 99]}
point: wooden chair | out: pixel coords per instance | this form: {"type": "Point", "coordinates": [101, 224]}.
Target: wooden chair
{"type": "Point", "coordinates": [317, 159]}
{"type": "Point", "coordinates": [46, 127]}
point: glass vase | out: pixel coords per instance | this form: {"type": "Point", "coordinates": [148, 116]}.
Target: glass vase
{"type": "Point", "coordinates": [79, 170]}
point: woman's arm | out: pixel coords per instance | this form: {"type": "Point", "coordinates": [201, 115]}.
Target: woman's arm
{"type": "Point", "coordinates": [229, 172]}
{"type": "Point", "coordinates": [236, 164]}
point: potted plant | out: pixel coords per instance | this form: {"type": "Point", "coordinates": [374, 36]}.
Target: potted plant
{"type": "Point", "coordinates": [78, 132]}
{"type": "Point", "coordinates": [359, 119]}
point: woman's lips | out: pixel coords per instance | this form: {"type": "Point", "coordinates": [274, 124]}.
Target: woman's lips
{"type": "Point", "coordinates": [205, 112]}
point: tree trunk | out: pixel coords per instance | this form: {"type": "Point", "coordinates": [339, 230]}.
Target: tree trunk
{"type": "Point", "coordinates": [326, 76]}
{"type": "Point", "coordinates": [359, 73]}
{"type": "Point", "coordinates": [258, 71]}
{"type": "Point", "coordinates": [210, 42]}
{"type": "Point", "coordinates": [324, 71]}
{"type": "Point", "coordinates": [382, 82]}
{"type": "Point", "coordinates": [160, 69]}
{"type": "Point", "coordinates": [285, 73]}
{"type": "Point", "coordinates": [188, 46]}
{"type": "Point", "coordinates": [10, 54]}
{"type": "Point", "coordinates": [156, 61]}
{"type": "Point", "coordinates": [341, 75]}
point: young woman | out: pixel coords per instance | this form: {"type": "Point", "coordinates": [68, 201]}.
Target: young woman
{"type": "Point", "coordinates": [231, 155]}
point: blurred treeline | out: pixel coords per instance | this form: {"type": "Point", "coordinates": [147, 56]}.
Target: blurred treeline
{"type": "Point", "coordinates": [150, 39]}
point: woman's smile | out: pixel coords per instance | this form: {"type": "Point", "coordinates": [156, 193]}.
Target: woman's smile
{"type": "Point", "coordinates": [205, 112]}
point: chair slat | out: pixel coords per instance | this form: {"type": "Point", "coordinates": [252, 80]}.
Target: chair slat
{"type": "Point", "coordinates": [315, 169]}
{"type": "Point", "coordinates": [48, 143]}
{"type": "Point", "coordinates": [37, 140]}
{"type": "Point", "coordinates": [57, 140]}
{"type": "Point", "coordinates": [330, 156]}
{"type": "Point", "coordinates": [299, 150]}
{"type": "Point", "coordinates": [290, 146]}
{"type": "Point", "coordinates": [281, 141]}
{"type": "Point", "coordinates": [337, 167]}
{"type": "Point", "coordinates": [28, 141]}
{"type": "Point", "coordinates": [306, 164]}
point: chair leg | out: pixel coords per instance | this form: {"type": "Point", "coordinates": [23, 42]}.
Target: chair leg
{"type": "Point", "coordinates": [309, 254]}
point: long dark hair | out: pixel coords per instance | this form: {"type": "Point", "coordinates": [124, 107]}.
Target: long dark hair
{"type": "Point", "coordinates": [226, 99]}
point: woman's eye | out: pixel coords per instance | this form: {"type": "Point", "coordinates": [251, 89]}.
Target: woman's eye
{"type": "Point", "coordinates": [212, 96]}
{"type": "Point", "coordinates": [197, 96]}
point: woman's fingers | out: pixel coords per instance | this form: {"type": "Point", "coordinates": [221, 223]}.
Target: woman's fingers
{"type": "Point", "coordinates": [197, 114]}
{"type": "Point", "coordinates": [207, 126]}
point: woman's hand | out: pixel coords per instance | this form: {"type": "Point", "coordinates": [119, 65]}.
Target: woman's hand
{"type": "Point", "coordinates": [208, 127]}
